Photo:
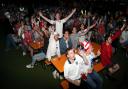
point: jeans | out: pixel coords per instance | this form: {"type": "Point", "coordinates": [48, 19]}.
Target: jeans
{"type": "Point", "coordinates": [38, 57]}
{"type": "Point", "coordinates": [94, 80]}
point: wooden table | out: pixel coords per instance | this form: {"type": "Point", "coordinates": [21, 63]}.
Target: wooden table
{"type": "Point", "coordinates": [96, 47]}
{"type": "Point", "coordinates": [58, 62]}
{"type": "Point", "coordinates": [36, 44]}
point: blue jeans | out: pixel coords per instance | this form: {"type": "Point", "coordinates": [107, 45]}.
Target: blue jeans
{"type": "Point", "coordinates": [94, 80]}
{"type": "Point", "coordinates": [38, 57]}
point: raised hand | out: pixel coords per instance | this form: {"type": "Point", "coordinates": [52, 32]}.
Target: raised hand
{"type": "Point", "coordinates": [124, 25]}
{"type": "Point", "coordinates": [40, 13]}
{"type": "Point", "coordinates": [98, 53]}
{"type": "Point", "coordinates": [74, 10]}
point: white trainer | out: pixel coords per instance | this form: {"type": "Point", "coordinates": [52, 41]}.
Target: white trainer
{"type": "Point", "coordinates": [54, 74]}
{"type": "Point", "coordinates": [29, 66]}
{"type": "Point", "coordinates": [24, 53]}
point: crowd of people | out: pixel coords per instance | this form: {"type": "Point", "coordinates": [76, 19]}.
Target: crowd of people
{"type": "Point", "coordinates": [60, 31]}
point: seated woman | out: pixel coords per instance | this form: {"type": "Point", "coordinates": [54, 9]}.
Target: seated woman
{"type": "Point", "coordinates": [37, 36]}
{"type": "Point", "coordinates": [37, 57]}
{"type": "Point", "coordinates": [26, 37]}
{"type": "Point", "coordinates": [41, 54]}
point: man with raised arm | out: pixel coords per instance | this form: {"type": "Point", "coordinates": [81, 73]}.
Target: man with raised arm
{"type": "Point", "coordinates": [106, 51]}
{"type": "Point", "coordinates": [58, 22]}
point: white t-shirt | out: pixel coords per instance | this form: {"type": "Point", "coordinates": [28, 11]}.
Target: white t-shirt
{"type": "Point", "coordinates": [73, 71]}
{"type": "Point", "coordinates": [90, 59]}
{"type": "Point", "coordinates": [53, 48]}
{"type": "Point", "coordinates": [82, 35]}
{"type": "Point", "coordinates": [59, 26]}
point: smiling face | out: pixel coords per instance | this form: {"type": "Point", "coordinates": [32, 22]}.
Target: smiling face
{"type": "Point", "coordinates": [66, 34]}
{"type": "Point", "coordinates": [82, 27]}
{"type": "Point", "coordinates": [56, 37]}
{"type": "Point", "coordinates": [109, 40]}
{"type": "Point", "coordinates": [71, 54]}
{"type": "Point", "coordinates": [74, 30]}
{"type": "Point", "coordinates": [57, 16]}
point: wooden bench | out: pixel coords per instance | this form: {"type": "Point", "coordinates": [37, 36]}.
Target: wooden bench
{"type": "Point", "coordinates": [98, 67]}
{"type": "Point", "coordinates": [58, 62]}
{"type": "Point", "coordinates": [64, 84]}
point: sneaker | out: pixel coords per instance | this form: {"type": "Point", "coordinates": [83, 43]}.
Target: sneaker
{"type": "Point", "coordinates": [57, 75]}
{"type": "Point", "coordinates": [54, 74]}
{"type": "Point", "coordinates": [29, 66]}
{"type": "Point", "coordinates": [61, 77]}
{"type": "Point", "coordinates": [24, 53]}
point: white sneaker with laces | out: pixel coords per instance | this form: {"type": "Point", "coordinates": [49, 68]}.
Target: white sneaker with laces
{"type": "Point", "coordinates": [29, 66]}
{"type": "Point", "coordinates": [54, 74]}
{"type": "Point", "coordinates": [61, 77]}
{"type": "Point", "coordinates": [24, 53]}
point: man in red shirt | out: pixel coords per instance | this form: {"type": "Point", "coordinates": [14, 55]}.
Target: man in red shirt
{"type": "Point", "coordinates": [106, 49]}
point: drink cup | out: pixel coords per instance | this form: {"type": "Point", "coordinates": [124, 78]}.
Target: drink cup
{"type": "Point", "coordinates": [83, 76]}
